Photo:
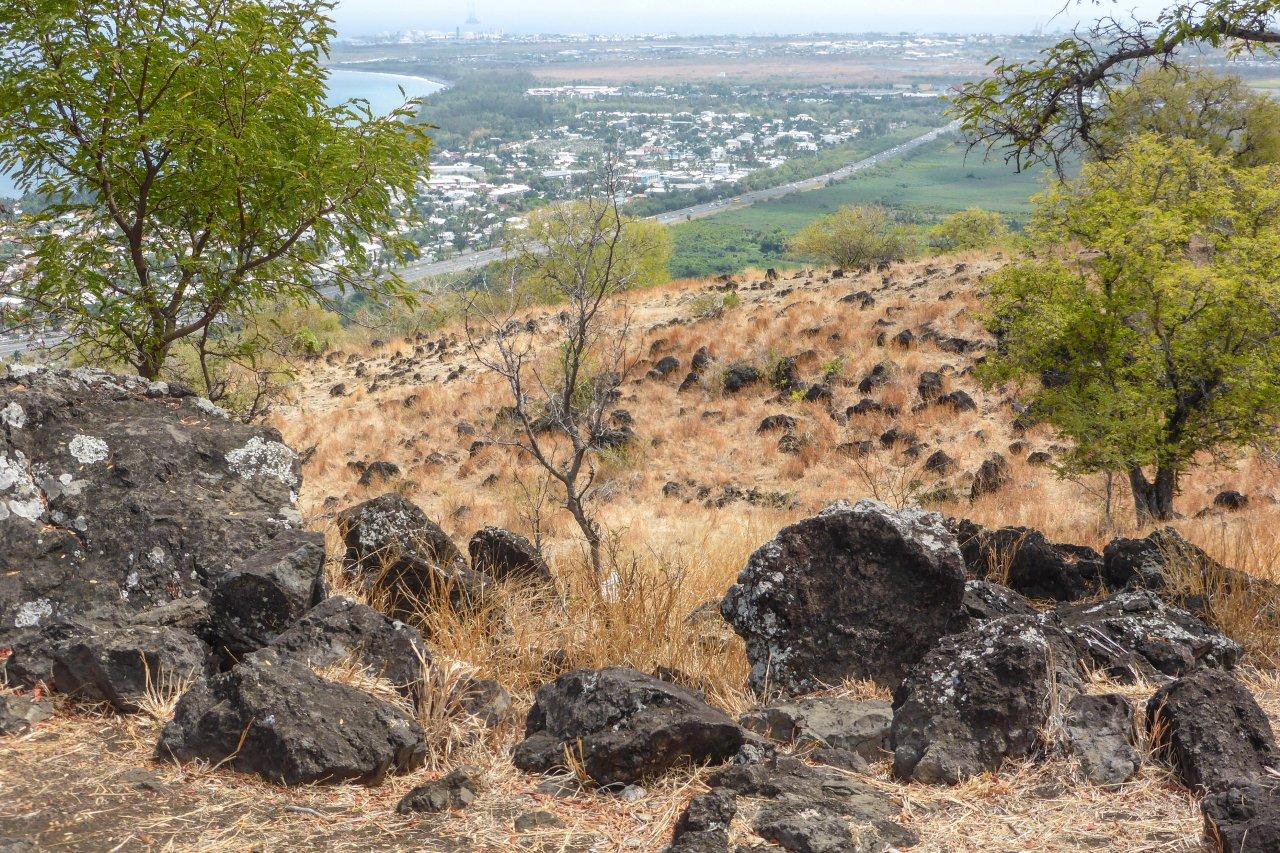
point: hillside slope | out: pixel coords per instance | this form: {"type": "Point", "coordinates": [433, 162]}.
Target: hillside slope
{"type": "Point", "coordinates": [864, 380]}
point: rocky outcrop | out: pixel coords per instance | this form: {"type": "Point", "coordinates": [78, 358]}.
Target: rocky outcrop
{"type": "Point", "coordinates": [623, 727]}
{"type": "Point", "coordinates": [399, 554]}
{"type": "Point", "coordinates": [858, 591]}
{"type": "Point", "coordinates": [284, 723]}
{"type": "Point", "coordinates": [1135, 636]}
{"type": "Point", "coordinates": [979, 698]}
{"type": "Point", "coordinates": [125, 506]}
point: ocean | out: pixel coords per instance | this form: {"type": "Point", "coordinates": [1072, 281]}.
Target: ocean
{"type": "Point", "coordinates": [382, 91]}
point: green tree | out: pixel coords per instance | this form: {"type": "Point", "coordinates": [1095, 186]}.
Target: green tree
{"type": "Point", "coordinates": [1159, 341]}
{"type": "Point", "coordinates": [1045, 110]}
{"type": "Point", "coordinates": [969, 229]}
{"type": "Point", "coordinates": [194, 166]}
{"type": "Point", "coordinates": [1219, 112]}
{"type": "Point", "coordinates": [560, 237]}
{"type": "Point", "coordinates": [854, 237]}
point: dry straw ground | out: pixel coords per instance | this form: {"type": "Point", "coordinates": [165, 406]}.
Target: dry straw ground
{"type": "Point", "coordinates": [672, 554]}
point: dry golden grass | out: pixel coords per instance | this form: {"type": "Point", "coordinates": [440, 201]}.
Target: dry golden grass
{"type": "Point", "coordinates": [671, 556]}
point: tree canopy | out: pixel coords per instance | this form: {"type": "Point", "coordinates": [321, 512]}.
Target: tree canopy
{"type": "Point", "coordinates": [562, 243]}
{"type": "Point", "coordinates": [968, 229]}
{"type": "Point", "coordinates": [853, 237]}
{"type": "Point", "coordinates": [1047, 109]}
{"type": "Point", "coordinates": [1220, 113]}
{"type": "Point", "coordinates": [194, 167]}
{"type": "Point", "coordinates": [1148, 318]}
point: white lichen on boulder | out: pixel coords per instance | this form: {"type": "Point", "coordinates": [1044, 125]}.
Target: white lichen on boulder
{"type": "Point", "coordinates": [13, 416]}
{"type": "Point", "coordinates": [261, 458]}
{"type": "Point", "coordinates": [88, 450]}
{"type": "Point", "coordinates": [30, 613]}
{"type": "Point", "coordinates": [19, 495]}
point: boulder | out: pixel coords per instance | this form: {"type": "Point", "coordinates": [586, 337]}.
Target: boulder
{"type": "Point", "coordinates": [979, 698]}
{"type": "Point", "coordinates": [1230, 500]}
{"type": "Point", "coordinates": [704, 826]}
{"type": "Point", "coordinates": [882, 374]}
{"type": "Point", "coordinates": [939, 462]}
{"type": "Point", "coordinates": [1135, 636]}
{"type": "Point", "coordinates": [858, 591]}
{"type": "Point", "coordinates": [1032, 565]}
{"type": "Point", "coordinates": [1042, 569]}
{"type": "Point", "coordinates": [1165, 559]}
{"type": "Point", "coordinates": [992, 476]}
{"type": "Point", "coordinates": [851, 725]}
{"type": "Point", "coordinates": [984, 601]}
{"type": "Point", "coordinates": [1210, 730]}
{"type": "Point", "coordinates": [281, 721]}
{"type": "Point", "coordinates": [1243, 817]}
{"type": "Point", "coordinates": [101, 662]}
{"type": "Point", "coordinates": [19, 714]}
{"type": "Point", "coordinates": [339, 630]}
{"type": "Point", "coordinates": [958, 401]}
{"type": "Point", "coordinates": [119, 496]}
{"type": "Point", "coordinates": [624, 726]}
{"type": "Point", "coordinates": [803, 808]}
{"type": "Point", "coordinates": [266, 593]}
{"type": "Point", "coordinates": [739, 376]}
{"type": "Point", "coordinates": [455, 790]}
{"type": "Point", "coordinates": [930, 386]}
{"type": "Point", "coordinates": [1100, 735]}
{"type": "Point", "coordinates": [394, 550]}
{"type": "Point", "coordinates": [503, 555]}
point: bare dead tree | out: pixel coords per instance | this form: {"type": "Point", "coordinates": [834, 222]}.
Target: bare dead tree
{"type": "Point", "coordinates": [562, 384]}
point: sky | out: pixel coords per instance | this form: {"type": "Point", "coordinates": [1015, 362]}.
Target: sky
{"type": "Point", "coordinates": [364, 17]}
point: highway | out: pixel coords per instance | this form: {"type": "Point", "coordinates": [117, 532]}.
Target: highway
{"type": "Point", "coordinates": [13, 344]}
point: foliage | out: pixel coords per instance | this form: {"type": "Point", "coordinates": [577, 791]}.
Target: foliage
{"type": "Point", "coordinates": [639, 258]}
{"type": "Point", "coordinates": [1162, 341]}
{"type": "Point", "coordinates": [969, 229]}
{"type": "Point", "coordinates": [194, 167]}
{"type": "Point", "coordinates": [855, 237]}
{"type": "Point", "coordinates": [1046, 109]}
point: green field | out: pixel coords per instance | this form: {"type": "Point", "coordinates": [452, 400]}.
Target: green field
{"type": "Point", "coordinates": [923, 187]}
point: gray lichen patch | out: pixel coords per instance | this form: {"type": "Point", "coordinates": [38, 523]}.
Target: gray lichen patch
{"type": "Point", "coordinates": [19, 495]}
{"type": "Point", "coordinates": [261, 458]}
{"type": "Point", "coordinates": [30, 613]}
{"type": "Point", "coordinates": [13, 416]}
{"type": "Point", "coordinates": [88, 450]}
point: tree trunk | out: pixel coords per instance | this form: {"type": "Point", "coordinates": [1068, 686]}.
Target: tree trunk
{"type": "Point", "coordinates": [1153, 501]}
{"type": "Point", "coordinates": [589, 532]}
{"type": "Point", "coordinates": [150, 361]}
